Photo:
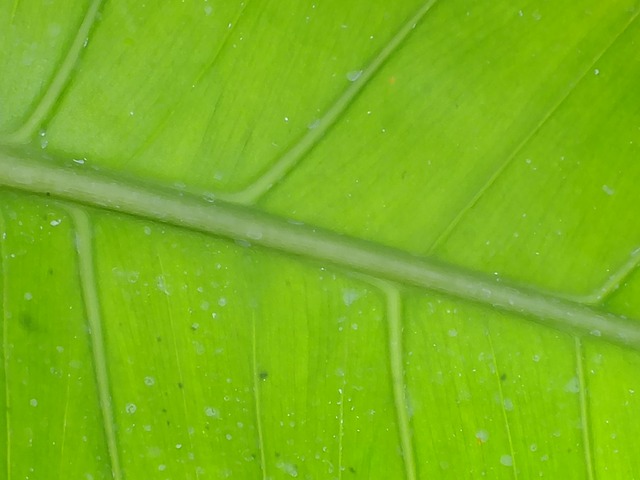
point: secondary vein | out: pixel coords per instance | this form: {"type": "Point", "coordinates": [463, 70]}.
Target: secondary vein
{"type": "Point", "coordinates": [394, 323]}
{"type": "Point", "coordinates": [457, 219]}
{"type": "Point", "coordinates": [88, 282]}
{"type": "Point", "coordinates": [295, 154]}
{"type": "Point", "coordinates": [60, 80]}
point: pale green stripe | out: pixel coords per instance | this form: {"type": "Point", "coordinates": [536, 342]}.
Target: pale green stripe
{"type": "Point", "coordinates": [313, 135]}
{"type": "Point", "coordinates": [394, 322]}
{"type": "Point", "coordinates": [94, 319]}
{"type": "Point", "coordinates": [82, 185]}
{"type": "Point", "coordinates": [60, 80]}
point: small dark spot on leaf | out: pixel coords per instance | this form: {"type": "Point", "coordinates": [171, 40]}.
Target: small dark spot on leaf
{"type": "Point", "coordinates": [263, 375]}
{"type": "Point", "coordinates": [180, 385]}
{"type": "Point", "coordinates": [48, 194]}
{"type": "Point", "coordinates": [352, 470]}
{"type": "Point", "coordinates": [27, 322]}
{"type": "Point", "coordinates": [50, 271]}
{"type": "Point", "coordinates": [503, 377]}
{"type": "Point", "coordinates": [277, 454]}
{"type": "Point", "coordinates": [158, 339]}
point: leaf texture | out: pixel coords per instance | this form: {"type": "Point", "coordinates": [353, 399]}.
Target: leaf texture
{"type": "Point", "coordinates": [319, 240]}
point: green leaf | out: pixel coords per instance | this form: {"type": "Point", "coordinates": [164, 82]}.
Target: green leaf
{"type": "Point", "coordinates": [319, 240]}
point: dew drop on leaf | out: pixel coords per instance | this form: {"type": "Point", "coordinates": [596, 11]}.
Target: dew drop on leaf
{"type": "Point", "coordinates": [482, 435]}
{"type": "Point", "coordinates": [354, 75]}
{"type": "Point", "coordinates": [506, 460]}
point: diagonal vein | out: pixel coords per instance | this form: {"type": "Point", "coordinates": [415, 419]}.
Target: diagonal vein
{"type": "Point", "coordinates": [88, 286]}
{"type": "Point", "coordinates": [527, 138]}
{"type": "Point", "coordinates": [82, 186]}
{"type": "Point", "coordinates": [294, 155]}
{"type": "Point", "coordinates": [394, 322]}
{"type": "Point", "coordinates": [60, 80]}
{"type": "Point", "coordinates": [613, 282]}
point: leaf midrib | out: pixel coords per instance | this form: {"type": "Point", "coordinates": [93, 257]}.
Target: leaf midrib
{"type": "Point", "coordinates": [82, 186]}
{"type": "Point", "coordinates": [256, 189]}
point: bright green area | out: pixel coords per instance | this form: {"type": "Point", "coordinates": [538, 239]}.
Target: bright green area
{"type": "Point", "coordinates": [35, 38]}
{"type": "Point", "coordinates": [497, 138]}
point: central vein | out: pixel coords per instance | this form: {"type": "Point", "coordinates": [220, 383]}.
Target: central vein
{"type": "Point", "coordinates": [80, 185]}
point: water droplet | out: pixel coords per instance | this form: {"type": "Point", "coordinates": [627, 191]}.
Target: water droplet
{"type": "Point", "coordinates": [482, 435]}
{"type": "Point", "coordinates": [149, 381]}
{"type": "Point", "coordinates": [572, 386]}
{"type": "Point", "coordinates": [212, 412]}
{"type": "Point", "coordinates": [242, 243]}
{"type": "Point", "coordinates": [354, 75]}
{"type": "Point", "coordinates": [506, 460]}
{"type": "Point", "coordinates": [349, 296]}
{"type": "Point", "coordinates": [254, 234]}
{"type": "Point", "coordinates": [608, 190]}
{"type": "Point", "coordinates": [43, 139]}
{"type": "Point", "coordinates": [130, 408]}
{"type": "Point", "coordinates": [33, 402]}
{"type": "Point", "coordinates": [288, 468]}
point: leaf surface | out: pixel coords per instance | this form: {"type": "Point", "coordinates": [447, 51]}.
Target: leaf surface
{"type": "Point", "coordinates": [319, 240]}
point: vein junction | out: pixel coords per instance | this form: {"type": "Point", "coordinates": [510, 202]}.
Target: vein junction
{"type": "Point", "coordinates": [79, 185]}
